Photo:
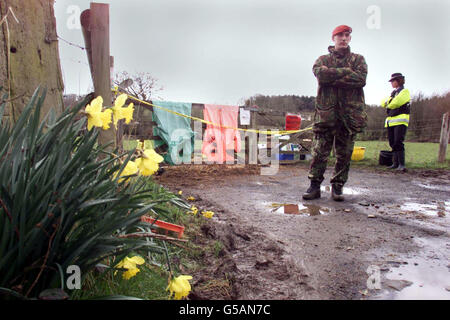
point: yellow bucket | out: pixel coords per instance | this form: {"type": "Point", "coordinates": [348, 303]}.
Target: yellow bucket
{"type": "Point", "coordinates": [358, 153]}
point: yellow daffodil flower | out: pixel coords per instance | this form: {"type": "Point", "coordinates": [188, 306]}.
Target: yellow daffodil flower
{"type": "Point", "coordinates": [130, 273]}
{"type": "Point", "coordinates": [93, 111]}
{"type": "Point", "coordinates": [208, 214]}
{"type": "Point", "coordinates": [179, 287]}
{"type": "Point", "coordinates": [120, 100]}
{"type": "Point", "coordinates": [122, 113]}
{"type": "Point", "coordinates": [148, 163]}
{"type": "Point", "coordinates": [106, 118]}
{"type": "Point", "coordinates": [130, 168]}
{"type": "Point", "coordinates": [130, 265]}
{"type": "Point", "coordinates": [194, 210]}
{"type": "Point", "coordinates": [180, 192]}
{"type": "Point", "coordinates": [117, 115]}
{"type": "Point", "coordinates": [190, 198]}
{"type": "Point", "coordinates": [127, 113]}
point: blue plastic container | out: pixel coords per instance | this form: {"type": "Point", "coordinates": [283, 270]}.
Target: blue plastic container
{"type": "Point", "coordinates": [283, 156]}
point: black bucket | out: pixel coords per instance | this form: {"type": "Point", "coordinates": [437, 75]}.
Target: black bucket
{"type": "Point", "coordinates": [385, 158]}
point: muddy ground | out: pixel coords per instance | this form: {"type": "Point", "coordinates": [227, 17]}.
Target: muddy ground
{"type": "Point", "coordinates": [388, 240]}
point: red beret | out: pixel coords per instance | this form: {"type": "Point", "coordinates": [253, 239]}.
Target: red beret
{"type": "Point", "coordinates": [339, 29]}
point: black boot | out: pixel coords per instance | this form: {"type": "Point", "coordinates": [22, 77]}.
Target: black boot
{"type": "Point", "coordinates": [313, 191]}
{"type": "Point", "coordinates": [401, 161]}
{"type": "Point", "coordinates": [394, 160]}
{"type": "Point", "coordinates": [336, 192]}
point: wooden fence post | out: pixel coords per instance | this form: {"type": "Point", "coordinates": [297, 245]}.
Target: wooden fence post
{"type": "Point", "coordinates": [95, 23]}
{"type": "Point", "coordinates": [251, 143]}
{"type": "Point", "coordinates": [445, 132]}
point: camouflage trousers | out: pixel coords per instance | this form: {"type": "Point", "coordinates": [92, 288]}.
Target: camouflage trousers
{"type": "Point", "coordinates": [323, 143]}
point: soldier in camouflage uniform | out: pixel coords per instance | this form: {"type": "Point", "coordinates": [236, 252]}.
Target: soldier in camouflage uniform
{"type": "Point", "coordinates": [340, 114]}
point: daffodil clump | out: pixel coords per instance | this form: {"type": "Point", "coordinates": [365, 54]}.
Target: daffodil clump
{"type": "Point", "coordinates": [207, 214]}
{"type": "Point", "coordinates": [97, 117]}
{"type": "Point", "coordinates": [147, 162]}
{"type": "Point", "coordinates": [179, 287]}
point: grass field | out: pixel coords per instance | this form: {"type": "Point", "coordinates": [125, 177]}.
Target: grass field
{"type": "Point", "coordinates": [418, 154]}
{"type": "Point", "coordinates": [130, 144]}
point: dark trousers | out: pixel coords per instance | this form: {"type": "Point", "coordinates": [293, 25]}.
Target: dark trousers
{"type": "Point", "coordinates": [322, 145]}
{"type": "Point", "coordinates": [396, 136]}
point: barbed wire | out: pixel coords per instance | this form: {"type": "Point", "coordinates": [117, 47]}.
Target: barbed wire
{"type": "Point", "coordinates": [71, 43]}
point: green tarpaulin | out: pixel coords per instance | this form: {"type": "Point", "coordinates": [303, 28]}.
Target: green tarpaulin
{"type": "Point", "coordinates": [175, 131]}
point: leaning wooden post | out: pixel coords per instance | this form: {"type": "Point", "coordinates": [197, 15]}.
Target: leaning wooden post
{"type": "Point", "coordinates": [85, 19]}
{"type": "Point", "coordinates": [445, 132]}
{"type": "Point", "coordinates": [95, 24]}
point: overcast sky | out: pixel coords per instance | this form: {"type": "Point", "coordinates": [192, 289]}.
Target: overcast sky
{"type": "Point", "coordinates": [223, 51]}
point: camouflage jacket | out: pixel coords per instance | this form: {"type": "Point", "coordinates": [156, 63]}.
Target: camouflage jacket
{"type": "Point", "coordinates": [340, 97]}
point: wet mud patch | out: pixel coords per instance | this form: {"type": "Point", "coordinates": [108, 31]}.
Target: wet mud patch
{"type": "Point", "coordinates": [187, 174]}
{"type": "Point", "coordinates": [263, 254]}
{"type": "Point", "coordinates": [248, 265]}
{"type": "Point", "coordinates": [440, 173]}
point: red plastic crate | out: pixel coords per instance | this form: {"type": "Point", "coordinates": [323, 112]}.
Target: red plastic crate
{"type": "Point", "coordinates": [164, 225]}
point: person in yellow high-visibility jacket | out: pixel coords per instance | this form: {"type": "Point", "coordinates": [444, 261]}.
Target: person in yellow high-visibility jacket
{"type": "Point", "coordinates": [398, 109]}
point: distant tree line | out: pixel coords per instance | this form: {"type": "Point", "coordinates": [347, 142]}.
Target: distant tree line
{"type": "Point", "coordinates": [286, 103]}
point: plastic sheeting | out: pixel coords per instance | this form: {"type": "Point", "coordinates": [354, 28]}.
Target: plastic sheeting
{"type": "Point", "coordinates": [175, 131]}
{"type": "Point", "coordinates": [219, 144]}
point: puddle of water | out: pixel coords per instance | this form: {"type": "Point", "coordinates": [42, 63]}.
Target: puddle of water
{"type": "Point", "coordinates": [429, 280]}
{"type": "Point", "coordinates": [429, 274]}
{"type": "Point", "coordinates": [299, 209]}
{"type": "Point", "coordinates": [433, 187]}
{"type": "Point", "coordinates": [440, 209]}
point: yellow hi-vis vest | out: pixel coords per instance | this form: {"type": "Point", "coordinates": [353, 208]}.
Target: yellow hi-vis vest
{"type": "Point", "coordinates": [394, 103]}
